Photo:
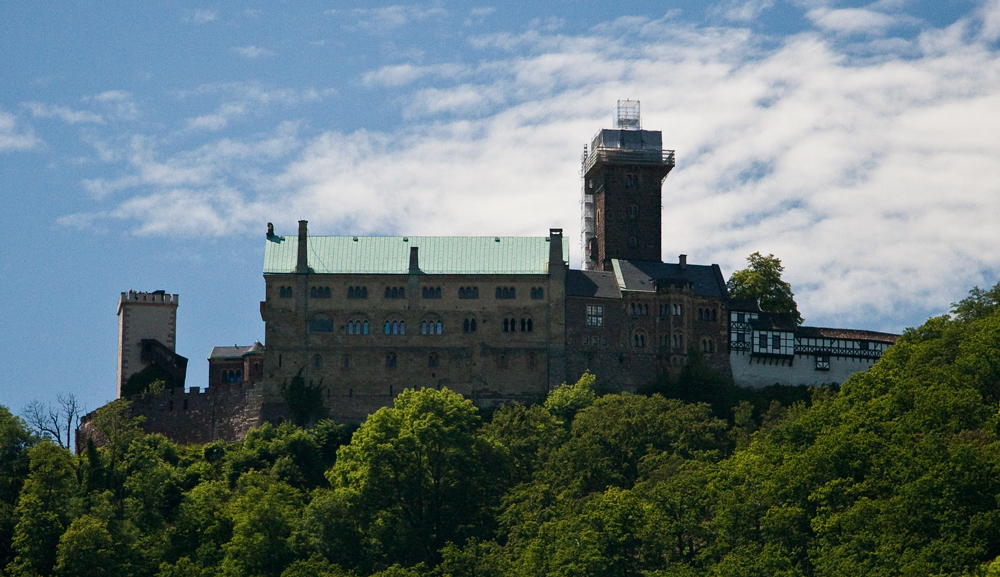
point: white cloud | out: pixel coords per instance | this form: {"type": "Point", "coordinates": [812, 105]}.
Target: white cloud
{"type": "Point", "coordinates": [40, 110]}
{"type": "Point", "coordinates": [853, 20]}
{"type": "Point", "coordinates": [252, 51]}
{"type": "Point", "coordinates": [875, 180]}
{"type": "Point", "coordinates": [389, 18]}
{"type": "Point", "coordinates": [12, 137]}
{"type": "Point", "coordinates": [200, 16]}
{"type": "Point", "coordinates": [403, 74]}
{"type": "Point", "coordinates": [742, 11]}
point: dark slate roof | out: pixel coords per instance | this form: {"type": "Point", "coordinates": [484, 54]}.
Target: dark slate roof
{"type": "Point", "coordinates": [592, 283]}
{"type": "Point", "coordinates": [706, 281]}
{"type": "Point", "coordinates": [744, 305]}
{"type": "Point", "coordinates": [775, 322]}
{"type": "Point", "coordinates": [235, 352]}
{"type": "Point", "coordinates": [827, 333]}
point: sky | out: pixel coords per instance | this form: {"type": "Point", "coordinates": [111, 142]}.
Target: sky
{"type": "Point", "coordinates": [147, 145]}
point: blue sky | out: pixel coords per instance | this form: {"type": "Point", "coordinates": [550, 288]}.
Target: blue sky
{"type": "Point", "coordinates": [146, 145]}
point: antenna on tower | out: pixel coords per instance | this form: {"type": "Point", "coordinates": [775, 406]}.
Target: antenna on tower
{"type": "Point", "coordinates": [626, 115]}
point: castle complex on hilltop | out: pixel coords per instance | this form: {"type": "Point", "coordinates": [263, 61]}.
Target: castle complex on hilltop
{"type": "Point", "coordinates": [499, 319]}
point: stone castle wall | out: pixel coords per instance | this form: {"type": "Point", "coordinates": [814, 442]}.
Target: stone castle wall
{"type": "Point", "coordinates": [221, 413]}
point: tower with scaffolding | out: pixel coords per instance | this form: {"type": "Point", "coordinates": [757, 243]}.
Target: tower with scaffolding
{"type": "Point", "coordinates": [623, 170]}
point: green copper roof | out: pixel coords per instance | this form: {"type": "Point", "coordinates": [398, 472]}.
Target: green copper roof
{"type": "Point", "coordinates": [391, 254]}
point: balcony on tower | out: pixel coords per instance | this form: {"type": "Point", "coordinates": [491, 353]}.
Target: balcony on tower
{"type": "Point", "coordinates": [627, 142]}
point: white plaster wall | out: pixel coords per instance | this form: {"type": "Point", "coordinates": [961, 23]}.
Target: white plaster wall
{"type": "Point", "coordinates": [758, 372]}
{"type": "Point", "coordinates": [143, 320]}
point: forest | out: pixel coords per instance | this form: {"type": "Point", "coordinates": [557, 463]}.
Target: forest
{"type": "Point", "coordinates": [896, 472]}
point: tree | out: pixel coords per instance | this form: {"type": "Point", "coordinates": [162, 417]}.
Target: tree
{"type": "Point", "coordinates": [422, 474]}
{"type": "Point", "coordinates": [56, 423]}
{"type": "Point", "coordinates": [15, 440]}
{"type": "Point", "coordinates": [761, 281]}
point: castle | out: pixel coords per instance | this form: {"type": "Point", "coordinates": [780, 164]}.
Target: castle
{"type": "Point", "coordinates": [499, 319]}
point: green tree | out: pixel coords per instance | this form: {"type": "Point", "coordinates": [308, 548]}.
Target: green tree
{"type": "Point", "coordinates": [43, 509]}
{"type": "Point", "coordinates": [86, 549]}
{"type": "Point", "coordinates": [761, 281]}
{"type": "Point", "coordinates": [422, 474]}
{"type": "Point", "coordinates": [15, 440]}
{"type": "Point", "coordinates": [566, 400]}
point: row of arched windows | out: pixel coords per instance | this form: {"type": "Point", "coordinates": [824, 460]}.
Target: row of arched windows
{"type": "Point", "coordinates": [707, 314]}
{"type": "Point", "coordinates": [357, 292]}
{"type": "Point", "coordinates": [470, 292]}
{"type": "Point", "coordinates": [357, 327]}
{"type": "Point", "coordinates": [667, 310]}
{"type": "Point", "coordinates": [469, 325]}
{"type": "Point", "coordinates": [431, 327]}
{"type": "Point", "coordinates": [429, 292]}
{"type": "Point", "coordinates": [510, 325]}
{"type": "Point", "coordinates": [285, 292]}
{"type": "Point", "coordinates": [640, 309]}
{"type": "Point", "coordinates": [433, 362]}
{"type": "Point", "coordinates": [395, 327]}
{"type": "Point", "coordinates": [537, 293]}
{"type": "Point", "coordinates": [395, 292]}
{"type": "Point", "coordinates": [506, 293]}
{"type": "Point", "coordinates": [319, 292]}
{"type": "Point", "coordinates": [232, 376]}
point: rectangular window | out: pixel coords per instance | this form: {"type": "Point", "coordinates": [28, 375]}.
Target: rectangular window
{"type": "Point", "coordinates": [586, 340]}
{"type": "Point", "coordinates": [762, 341]}
{"type": "Point", "coordinates": [776, 342]}
{"type": "Point", "coordinates": [595, 316]}
{"type": "Point", "coordinates": [822, 363]}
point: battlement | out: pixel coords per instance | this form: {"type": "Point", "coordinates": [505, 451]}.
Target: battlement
{"type": "Point", "coordinates": [155, 297]}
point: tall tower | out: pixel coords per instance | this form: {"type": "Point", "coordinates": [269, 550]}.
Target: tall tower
{"type": "Point", "coordinates": [622, 175]}
{"type": "Point", "coordinates": [147, 329]}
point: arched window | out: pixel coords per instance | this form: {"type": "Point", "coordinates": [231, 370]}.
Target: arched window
{"type": "Point", "coordinates": [388, 328]}
{"type": "Point", "coordinates": [423, 327]}
{"type": "Point", "coordinates": [502, 361]}
{"type": "Point", "coordinates": [465, 326]}
{"type": "Point", "coordinates": [395, 327]}
{"type": "Point", "coordinates": [714, 316]}
{"type": "Point", "coordinates": [350, 327]}
{"type": "Point", "coordinates": [499, 293]}
{"type": "Point", "coordinates": [239, 376]}
{"type": "Point", "coordinates": [364, 328]}
{"type": "Point", "coordinates": [321, 323]}
{"type": "Point", "coordinates": [632, 242]}
{"type": "Point", "coordinates": [402, 327]}
{"type": "Point", "coordinates": [312, 292]}
{"type": "Point", "coordinates": [225, 377]}
{"type": "Point", "coordinates": [524, 325]}
{"type": "Point", "coordinates": [390, 362]}
{"type": "Point", "coordinates": [440, 327]}
{"type": "Point", "coordinates": [530, 327]}
{"type": "Point", "coordinates": [433, 360]}
{"type": "Point", "coordinates": [346, 363]}
{"type": "Point", "coordinates": [472, 324]}
{"type": "Point", "coordinates": [506, 325]}
{"type": "Point", "coordinates": [350, 292]}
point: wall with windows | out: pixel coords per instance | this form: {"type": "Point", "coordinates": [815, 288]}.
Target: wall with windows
{"type": "Point", "coordinates": [489, 337]}
{"type": "Point", "coordinates": [755, 372]}
{"type": "Point", "coordinates": [629, 342]}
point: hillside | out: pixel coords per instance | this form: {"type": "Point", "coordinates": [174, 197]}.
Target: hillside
{"type": "Point", "coordinates": [897, 473]}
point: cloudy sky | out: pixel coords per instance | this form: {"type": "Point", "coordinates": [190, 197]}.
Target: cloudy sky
{"type": "Point", "coordinates": [146, 145]}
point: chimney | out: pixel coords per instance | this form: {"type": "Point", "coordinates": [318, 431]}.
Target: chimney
{"type": "Point", "coordinates": [414, 260]}
{"type": "Point", "coordinates": [683, 261]}
{"type": "Point", "coordinates": [303, 263]}
{"type": "Point", "coordinates": [270, 230]}
{"type": "Point", "coordinates": [555, 246]}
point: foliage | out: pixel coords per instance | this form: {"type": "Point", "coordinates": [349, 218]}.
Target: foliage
{"type": "Point", "coordinates": [895, 473]}
{"type": "Point", "coordinates": [421, 474]}
{"type": "Point", "coordinates": [304, 401]}
{"type": "Point", "coordinates": [761, 282]}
